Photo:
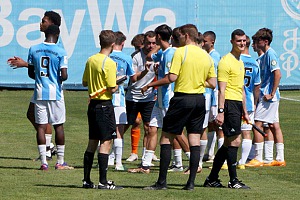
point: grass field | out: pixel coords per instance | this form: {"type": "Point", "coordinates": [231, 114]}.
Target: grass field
{"type": "Point", "coordinates": [20, 178]}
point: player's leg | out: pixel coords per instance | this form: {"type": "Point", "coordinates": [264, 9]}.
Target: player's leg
{"type": "Point", "coordinates": [177, 157]}
{"type": "Point", "coordinates": [135, 133]}
{"type": "Point", "coordinates": [88, 159]}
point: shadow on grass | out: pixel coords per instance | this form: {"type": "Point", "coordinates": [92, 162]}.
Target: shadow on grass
{"type": "Point", "coordinates": [79, 186]}
{"type": "Point", "coordinates": [12, 167]}
{"type": "Point", "coordinates": [14, 158]}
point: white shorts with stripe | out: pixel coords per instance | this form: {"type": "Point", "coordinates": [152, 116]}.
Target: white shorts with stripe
{"type": "Point", "coordinates": [157, 116]}
{"type": "Point", "coordinates": [267, 112]}
{"type": "Point", "coordinates": [120, 115]}
{"type": "Point", "coordinates": [245, 126]}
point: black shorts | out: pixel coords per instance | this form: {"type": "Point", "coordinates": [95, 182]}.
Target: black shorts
{"type": "Point", "coordinates": [232, 117]}
{"type": "Point", "coordinates": [133, 108]}
{"type": "Point", "coordinates": [102, 122]}
{"type": "Point", "coordinates": [185, 110]}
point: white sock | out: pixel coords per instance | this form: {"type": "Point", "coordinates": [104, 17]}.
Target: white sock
{"type": "Point", "coordinates": [203, 144]}
{"type": "Point", "coordinates": [118, 144]}
{"type": "Point", "coordinates": [48, 139]}
{"type": "Point", "coordinates": [259, 147]}
{"type": "Point", "coordinates": [146, 161]}
{"type": "Point", "coordinates": [279, 151]}
{"type": "Point", "coordinates": [60, 154]}
{"type": "Point", "coordinates": [212, 138]}
{"type": "Point", "coordinates": [220, 142]}
{"type": "Point", "coordinates": [188, 155]}
{"type": "Point", "coordinates": [269, 146]}
{"type": "Point", "coordinates": [42, 151]}
{"type": "Point", "coordinates": [143, 153]}
{"type": "Point", "coordinates": [246, 147]}
{"type": "Point", "coordinates": [178, 157]}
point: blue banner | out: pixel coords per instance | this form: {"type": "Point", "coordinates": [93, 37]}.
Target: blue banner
{"type": "Point", "coordinates": [82, 22]}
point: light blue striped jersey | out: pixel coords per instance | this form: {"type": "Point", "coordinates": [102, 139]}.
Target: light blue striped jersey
{"type": "Point", "coordinates": [252, 79]}
{"type": "Point", "coordinates": [48, 59]}
{"type": "Point", "coordinates": [269, 63]}
{"type": "Point", "coordinates": [124, 67]}
{"type": "Point", "coordinates": [165, 92]}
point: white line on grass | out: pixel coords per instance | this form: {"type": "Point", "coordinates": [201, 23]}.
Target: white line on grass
{"type": "Point", "coordinates": [285, 98]}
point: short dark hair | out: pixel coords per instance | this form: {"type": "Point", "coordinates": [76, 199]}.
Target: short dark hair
{"type": "Point", "coordinates": [137, 40]}
{"type": "Point", "coordinates": [107, 38]}
{"type": "Point", "coordinates": [175, 34]}
{"type": "Point", "coordinates": [200, 38]}
{"type": "Point", "coordinates": [164, 31]}
{"type": "Point", "coordinates": [54, 17]}
{"type": "Point", "coordinates": [210, 34]}
{"type": "Point", "coordinates": [248, 41]}
{"type": "Point", "coordinates": [238, 32]}
{"type": "Point", "coordinates": [52, 30]}
{"type": "Point", "coordinates": [191, 30]}
{"type": "Point", "coordinates": [120, 37]}
{"type": "Point", "coordinates": [264, 34]}
{"type": "Point", "coordinates": [149, 34]}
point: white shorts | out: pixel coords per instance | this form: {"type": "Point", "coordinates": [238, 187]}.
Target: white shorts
{"type": "Point", "coordinates": [245, 126]}
{"type": "Point", "coordinates": [34, 101]}
{"type": "Point", "coordinates": [120, 115]}
{"type": "Point", "coordinates": [205, 122]}
{"type": "Point", "coordinates": [50, 111]}
{"type": "Point", "coordinates": [213, 113]}
{"type": "Point", "coordinates": [267, 112]}
{"type": "Point", "coordinates": [157, 116]}
{"type": "Point", "coordinates": [207, 101]}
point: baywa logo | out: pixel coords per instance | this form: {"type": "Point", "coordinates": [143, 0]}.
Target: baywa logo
{"type": "Point", "coordinates": [292, 8]}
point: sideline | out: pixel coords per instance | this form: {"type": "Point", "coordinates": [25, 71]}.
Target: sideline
{"type": "Point", "coordinates": [285, 98]}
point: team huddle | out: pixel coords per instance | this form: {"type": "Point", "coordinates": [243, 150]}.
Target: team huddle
{"type": "Point", "coordinates": [175, 80]}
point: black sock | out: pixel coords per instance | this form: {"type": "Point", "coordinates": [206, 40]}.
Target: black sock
{"type": "Point", "coordinates": [88, 159]}
{"type": "Point", "coordinates": [194, 163]}
{"type": "Point", "coordinates": [219, 160]}
{"type": "Point", "coordinates": [165, 158]}
{"type": "Point", "coordinates": [103, 164]}
{"type": "Point", "coordinates": [231, 162]}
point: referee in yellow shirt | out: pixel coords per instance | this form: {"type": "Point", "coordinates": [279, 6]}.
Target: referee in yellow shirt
{"type": "Point", "coordinates": [231, 108]}
{"type": "Point", "coordinates": [192, 70]}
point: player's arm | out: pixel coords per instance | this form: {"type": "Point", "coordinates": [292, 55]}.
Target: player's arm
{"type": "Point", "coordinates": [155, 50]}
{"type": "Point", "coordinates": [256, 94]}
{"type": "Point", "coordinates": [30, 71]}
{"type": "Point", "coordinates": [17, 62]}
{"type": "Point", "coordinates": [277, 77]}
{"type": "Point", "coordinates": [211, 82]}
{"type": "Point", "coordinates": [221, 102]}
{"type": "Point", "coordinates": [64, 74]}
{"type": "Point", "coordinates": [245, 112]}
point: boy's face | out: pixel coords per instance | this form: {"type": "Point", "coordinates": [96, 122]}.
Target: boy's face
{"type": "Point", "coordinates": [45, 23]}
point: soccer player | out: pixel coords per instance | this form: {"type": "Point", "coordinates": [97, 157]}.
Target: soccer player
{"type": "Point", "coordinates": [49, 18]}
{"type": "Point", "coordinates": [124, 68]}
{"type": "Point", "coordinates": [165, 93]}
{"type": "Point", "coordinates": [231, 107]}
{"type": "Point", "coordinates": [100, 73]}
{"type": "Point", "coordinates": [136, 101]}
{"type": "Point", "coordinates": [267, 108]}
{"type": "Point", "coordinates": [192, 70]}
{"type": "Point", "coordinates": [251, 87]}
{"type": "Point", "coordinates": [47, 64]}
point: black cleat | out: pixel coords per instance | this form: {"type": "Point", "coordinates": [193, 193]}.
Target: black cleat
{"type": "Point", "coordinates": [156, 186]}
{"type": "Point", "coordinates": [110, 185]}
{"type": "Point", "coordinates": [209, 183]}
{"type": "Point", "coordinates": [236, 184]}
{"type": "Point", "coordinates": [88, 185]}
{"type": "Point", "coordinates": [189, 186]}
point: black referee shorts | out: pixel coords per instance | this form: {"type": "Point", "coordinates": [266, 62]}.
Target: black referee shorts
{"type": "Point", "coordinates": [186, 110]}
{"type": "Point", "coordinates": [102, 122]}
{"type": "Point", "coordinates": [232, 117]}
{"type": "Point", "coordinates": [133, 108]}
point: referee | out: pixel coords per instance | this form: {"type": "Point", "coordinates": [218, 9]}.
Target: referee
{"type": "Point", "coordinates": [231, 108]}
{"type": "Point", "coordinates": [192, 70]}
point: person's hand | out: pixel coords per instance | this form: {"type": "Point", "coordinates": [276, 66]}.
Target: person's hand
{"type": "Point", "coordinates": [17, 62]}
{"type": "Point", "coordinates": [144, 89]}
{"type": "Point", "coordinates": [219, 119]}
{"type": "Point", "coordinates": [268, 97]}
{"type": "Point", "coordinates": [246, 118]}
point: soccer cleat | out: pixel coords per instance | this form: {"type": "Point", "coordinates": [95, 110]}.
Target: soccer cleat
{"type": "Point", "coordinates": [236, 184]}
{"type": "Point", "coordinates": [156, 186]}
{"type": "Point", "coordinates": [280, 163]}
{"type": "Point", "coordinates": [155, 159]}
{"type": "Point", "coordinates": [187, 171]}
{"type": "Point", "coordinates": [44, 167]}
{"type": "Point", "coordinates": [63, 166]}
{"type": "Point", "coordinates": [88, 185]}
{"type": "Point", "coordinates": [139, 170]}
{"type": "Point", "coordinates": [110, 185]}
{"type": "Point", "coordinates": [119, 168]}
{"type": "Point", "coordinates": [240, 166]}
{"type": "Point", "coordinates": [270, 163]}
{"type": "Point", "coordinates": [174, 168]}
{"type": "Point", "coordinates": [132, 157]}
{"type": "Point", "coordinates": [189, 186]}
{"type": "Point", "coordinates": [209, 183]}
{"type": "Point", "coordinates": [254, 163]}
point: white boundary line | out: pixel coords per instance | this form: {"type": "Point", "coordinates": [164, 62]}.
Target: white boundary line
{"type": "Point", "coordinates": [290, 99]}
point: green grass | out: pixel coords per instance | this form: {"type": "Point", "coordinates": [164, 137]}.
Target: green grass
{"type": "Point", "coordinates": [20, 178]}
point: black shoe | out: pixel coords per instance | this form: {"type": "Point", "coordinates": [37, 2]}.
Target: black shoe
{"type": "Point", "coordinates": [110, 185]}
{"type": "Point", "coordinates": [209, 183]}
{"type": "Point", "coordinates": [236, 184]}
{"type": "Point", "coordinates": [156, 186]}
{"type": "Point", "coordinates": [189, 186]}
{"type": "Point", "coordinates": [88, 185]}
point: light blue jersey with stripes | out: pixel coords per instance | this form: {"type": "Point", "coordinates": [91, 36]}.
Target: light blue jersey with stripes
{"type": "Point", "coordinates": [165, 92]}
{"type": "Point", "coordinates": [269, 63]}
{"type": "Point", "coordinates": [48, 59]}
{"type": "Point", "coordinates": [216, 58]}
{"type": "Point", "coordinates": [124, 67]}
{"type": "Point", "coordinates": [252, 79]}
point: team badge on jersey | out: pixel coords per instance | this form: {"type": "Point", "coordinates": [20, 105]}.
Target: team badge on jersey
{"type": "Point", "coordinates": [273, 62]}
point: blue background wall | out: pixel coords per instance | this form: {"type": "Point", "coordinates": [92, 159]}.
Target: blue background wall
{"type": "Point", "coordinates": [83, 20]}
